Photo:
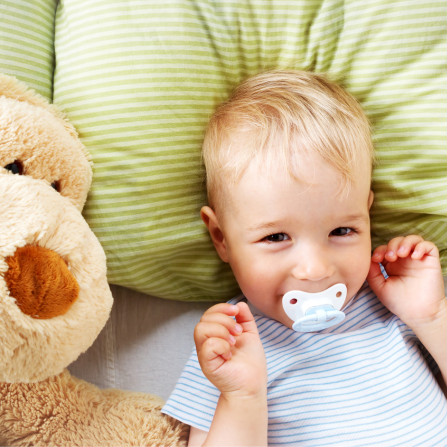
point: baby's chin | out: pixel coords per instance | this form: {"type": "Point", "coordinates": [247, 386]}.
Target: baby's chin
{"type": "Point", "coordinates": [288, 323]}
{"type": "Point", "coordinates": [281, 317]}
{"type": "Point", "coordinates": [277, 313]}
{"type": "Point", "coordinates": [351, 294]}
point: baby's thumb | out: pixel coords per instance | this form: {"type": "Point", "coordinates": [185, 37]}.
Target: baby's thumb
{"type": "Point", "coordinates": [375, 278]}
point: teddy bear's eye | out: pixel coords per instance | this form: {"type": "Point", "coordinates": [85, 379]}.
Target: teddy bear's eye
{"type": "Point", "coordinates": [55, 185]}
{"type": "Point", "coordinates": [16, 167]}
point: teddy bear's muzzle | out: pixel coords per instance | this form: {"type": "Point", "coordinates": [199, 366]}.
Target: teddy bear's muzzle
{"type": "Point", "coordinates": [54, 295]}
{"type": "Point", "coordinates": [40, 282]}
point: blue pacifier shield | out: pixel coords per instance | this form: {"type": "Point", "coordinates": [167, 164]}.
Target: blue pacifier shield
{"type": "Point", "coordinates": [315, 311]}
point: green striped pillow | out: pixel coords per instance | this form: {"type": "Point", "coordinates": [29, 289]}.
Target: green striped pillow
{"type": "Point", "coordinates": [27, 42]}
{"type": "Point", "coordinates": [139, 80]}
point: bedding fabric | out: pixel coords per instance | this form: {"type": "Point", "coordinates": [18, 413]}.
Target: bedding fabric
{"type": "Point", "coordinates": [139, 80]}
{"type": "Point", "coordinates": [27, 42]}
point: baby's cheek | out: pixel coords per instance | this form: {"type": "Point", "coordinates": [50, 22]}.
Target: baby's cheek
{"type": "Point", "coordinates": [255, 286]}
{"type": "Point", "coordinates": [356, 274]}
{"type": "Point", "coordinates": [258, 286]}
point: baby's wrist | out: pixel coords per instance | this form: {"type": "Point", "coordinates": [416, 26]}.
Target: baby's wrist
{"type": "Point", "coordinates": [245, 396]}
{"type": "Point", "coordinates": [433, 335]}
{"type": "Point", "coordinates": [432, 323]}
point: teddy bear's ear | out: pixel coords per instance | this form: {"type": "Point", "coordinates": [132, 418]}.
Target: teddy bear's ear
{"type": "Point", "coordinates": [12, 88]}
{"type": "Point", "coordinates": [36, 140]}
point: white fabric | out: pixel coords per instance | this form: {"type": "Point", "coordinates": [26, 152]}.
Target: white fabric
{"type": "Point", "coordinates": [144, 345]}
{"type": "Point", "coordinates": [363, 382]}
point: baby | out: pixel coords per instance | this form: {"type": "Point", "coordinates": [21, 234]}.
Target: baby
{"type": "Point", "coordinates": [288, 160]}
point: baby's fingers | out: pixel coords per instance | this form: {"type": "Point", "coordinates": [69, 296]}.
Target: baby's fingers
{"type": "Point", "coordinates": [425, 248]}
{"type": "Point", "coordinates": [224, 308]}
{"type": "Point", "coordinates": [379, 253]}
{"type": "Point", "coordinates": [205, 330]}
{"type": "Point", "coordinates": [224, 320]}
{"type": "Point", "coordinates": [245, 318]}
{"type": "Point", "coordinates": [407, 245]}
{"type": "Point", "coordinates": [212, 353]}
{"type": "Point", "coordinates": [400, 247]}
{"type": "Point", "coordinates": [375, 278]}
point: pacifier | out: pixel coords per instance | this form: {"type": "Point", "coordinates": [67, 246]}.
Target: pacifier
{"type": "Point", "coordinates": [315, 311]}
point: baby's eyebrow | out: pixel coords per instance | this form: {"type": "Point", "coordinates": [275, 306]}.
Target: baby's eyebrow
{"type": "Point", "coordinates": [358, 217]}
{"type": "Point", "coordinates": [263, 226]}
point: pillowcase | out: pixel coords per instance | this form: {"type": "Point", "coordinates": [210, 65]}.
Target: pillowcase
{"type": "Point", "coordinates": [140, 79]}
{"type": "Point", "coordinates": [27, 42]}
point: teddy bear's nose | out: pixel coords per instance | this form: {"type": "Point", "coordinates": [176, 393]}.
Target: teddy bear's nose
{"type": "Point", "coordinates": [39, 280]}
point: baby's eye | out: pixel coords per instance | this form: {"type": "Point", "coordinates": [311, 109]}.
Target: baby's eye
{"type": "Point", "coordinates": [342, 231]}
{"type": "Point", "coordinates": [277, 237]}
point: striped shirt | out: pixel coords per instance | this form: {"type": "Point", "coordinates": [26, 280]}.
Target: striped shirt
{"type": "Point", "coordinates": [365, 381]}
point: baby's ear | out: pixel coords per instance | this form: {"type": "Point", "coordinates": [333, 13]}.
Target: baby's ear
{"type": "Point", "coordinates": [212, 223]}
{"type": "Point", "coordinates": [370, 199]}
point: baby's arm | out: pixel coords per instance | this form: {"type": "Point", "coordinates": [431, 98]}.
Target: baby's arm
{"type": "Point", "coordinates": [414, 291]}
{"type": "Point", "coordinates": [232, 358]}
{"type": "Point", "coordinates": [197, 437]}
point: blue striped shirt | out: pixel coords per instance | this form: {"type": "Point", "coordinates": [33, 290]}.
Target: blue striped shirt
{"type": "Point", "coordinates": [365, 381]}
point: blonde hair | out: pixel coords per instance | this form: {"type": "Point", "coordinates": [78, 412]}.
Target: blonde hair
{"type": "Point", "coordinates": [278, 116]}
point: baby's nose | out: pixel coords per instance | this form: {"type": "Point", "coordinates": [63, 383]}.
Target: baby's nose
{"type": "Point", "coordinates": [40, 282]}
{"type": "Point", "coordinates": [313, 267]}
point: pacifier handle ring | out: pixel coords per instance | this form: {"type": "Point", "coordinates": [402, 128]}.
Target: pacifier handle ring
{"type": "Point", "coordinates": [316, 321]}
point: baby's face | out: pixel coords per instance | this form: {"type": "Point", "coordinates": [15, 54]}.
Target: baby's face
{"type": "Point", "coordinates": [279, 234]}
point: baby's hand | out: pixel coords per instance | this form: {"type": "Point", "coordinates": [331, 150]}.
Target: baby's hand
{"type": "Point", "coordinates": [230, 352]}
{"type": "Point", "coordinates": [414, 290]}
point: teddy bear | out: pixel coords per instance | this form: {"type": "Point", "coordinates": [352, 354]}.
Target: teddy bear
{"type": "Point", "coordinates": [54, 295]}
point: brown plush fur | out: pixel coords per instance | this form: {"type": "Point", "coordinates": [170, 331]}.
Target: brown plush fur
{"type": "Point", "coordinates": [40, 282]}
{"type": "Point", "coordinates": [54, 296]}
{"type": "Point", "coordinates": [65, 411]}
